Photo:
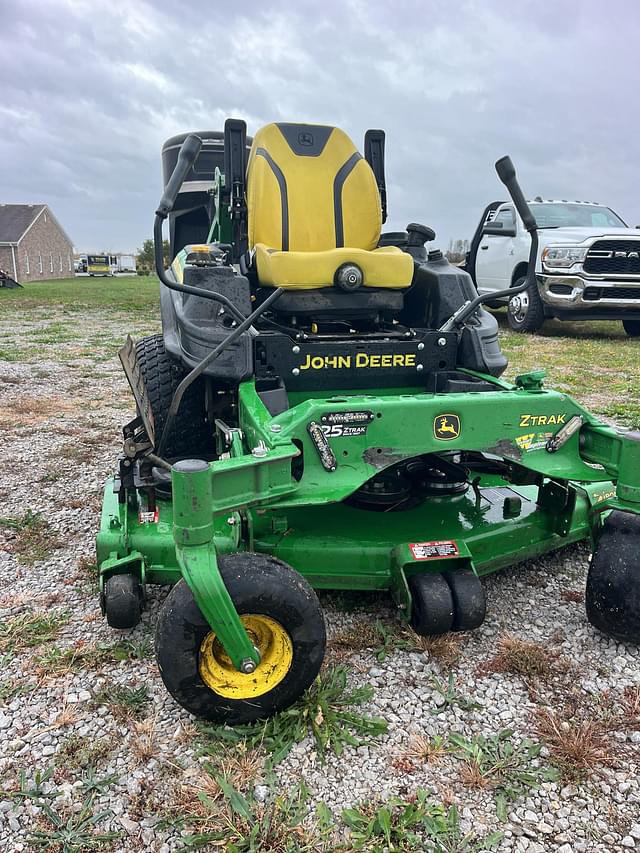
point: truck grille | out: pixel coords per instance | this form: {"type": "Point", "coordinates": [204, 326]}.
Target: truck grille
{"type": "Point", "coordinates": [613, 257]}
{"type": "Point", "coordinates": [594, 294]}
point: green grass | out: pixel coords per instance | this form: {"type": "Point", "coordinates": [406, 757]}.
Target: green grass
{"type": "Point", "coordinates": [30, 629]}
{"type": "Point", "coordinates": [34, 538]}
{"type": "Point", "coordinates": [125, 703]}
{"type": "Point", "coordinates": [123, 293]}
{"type": "Point", "coordinates": [57, 661]}
{"type": "Point", "coordinates": [595, 362]}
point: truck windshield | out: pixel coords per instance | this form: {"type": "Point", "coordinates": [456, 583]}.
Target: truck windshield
{"type": "Point", "coordinates": [566, 215]}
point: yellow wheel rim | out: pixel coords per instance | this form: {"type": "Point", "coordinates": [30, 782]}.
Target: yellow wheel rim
{"type": "Point", "coordinates": [276, 656]}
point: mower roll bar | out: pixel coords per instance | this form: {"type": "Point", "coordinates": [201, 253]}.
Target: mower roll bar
{"type": "Point", "coordinates": [507, 174]}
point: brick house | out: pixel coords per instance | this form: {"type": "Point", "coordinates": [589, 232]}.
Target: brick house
{"type": "Point", "coordinates": [33, 244]}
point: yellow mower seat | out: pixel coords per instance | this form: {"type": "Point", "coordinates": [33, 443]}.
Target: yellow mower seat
{"type": "Point", "coordinates": [314, 205]}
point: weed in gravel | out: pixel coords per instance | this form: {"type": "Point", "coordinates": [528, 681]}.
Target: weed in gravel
{"type": "Point", "coordinates": [69, 831]}
{"type": "Point", "coordinates": [426, 750]}
{"type": "Point", "coordinates": [33, 538]}
{"type": "Point", "coordinates": [576, 596]}
{"type": "Point", "coordinates": [31, 790]}
{"type": "Point", "coordinates": [91, 783]}
{"type": "Point", "coordinates": [445, 649]}
{"type": "Point", "coordinates": [78, 752]}
{"type": "Point", "coordinates": [11, 689]}
{"type": "Point", "coordinates": [522, 657]}
{"type": "Point", "coordinates": [30, 629]}
{"type": "Point", "coordinates": [629, 707]}
{"type": "Point", "coordinates": [325, 711]}
{"type": "Point", "coordinates": [275, 826]}
{"type": "Point", "coordinates": [449, 697]}
{"type": "Point", "coordinates": [125, 703]}
{"type": "Point", "coordinates": [56, 661]}
{"type": "Point", "coordinates": [51, 475]}
{"type": "Point", "coordinates": [497, 763]}
{"type": "Point", "coordinates": [239, 765]}
{"type": "Point", "coordinates": [416, 824]}
{"type": "Point", "coordinates": [577, 744]}
{"type": "Point", "coordinates": [389, 640]}
{"type": "Point", "coordinates": [359, 636]}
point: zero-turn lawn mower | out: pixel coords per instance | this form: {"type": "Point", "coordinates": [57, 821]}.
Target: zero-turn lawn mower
{"type": "Point", "coordinates": [324, 410]}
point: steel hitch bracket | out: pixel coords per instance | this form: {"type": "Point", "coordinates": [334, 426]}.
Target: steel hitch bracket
{"type": "Point", "coordinates": [192, 488]}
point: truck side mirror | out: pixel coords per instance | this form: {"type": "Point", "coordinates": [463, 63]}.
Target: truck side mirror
{"type": "Point", "coordinates": [498, 229]}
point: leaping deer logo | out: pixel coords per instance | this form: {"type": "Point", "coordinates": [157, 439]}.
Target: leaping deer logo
{"type": "Point", "coordinates": [446, 426]}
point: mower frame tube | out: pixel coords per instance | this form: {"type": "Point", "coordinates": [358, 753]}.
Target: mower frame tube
{"type": "Point", "coordinates": [192, 488]}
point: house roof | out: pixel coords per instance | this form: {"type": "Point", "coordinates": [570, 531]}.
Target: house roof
{"type": "Point", "coordinates": [16, 218]}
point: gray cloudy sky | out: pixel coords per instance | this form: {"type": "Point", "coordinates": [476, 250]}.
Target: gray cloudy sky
{"type": "Point", "coordinates": [89, 90]}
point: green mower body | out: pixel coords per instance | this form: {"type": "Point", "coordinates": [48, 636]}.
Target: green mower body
{"type": "Point", "coordinates": [365, 444]}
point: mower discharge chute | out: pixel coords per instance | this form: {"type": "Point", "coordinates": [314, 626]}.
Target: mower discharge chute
{"type": "Point", "coordinates": [324, 410]}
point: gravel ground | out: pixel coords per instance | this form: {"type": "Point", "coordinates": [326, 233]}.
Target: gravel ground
{"type": "Point", "coordinates": [61, 408]}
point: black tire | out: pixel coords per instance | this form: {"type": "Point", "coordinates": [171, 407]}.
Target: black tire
{"type": "Point", "coordinates": [632, 328]}
{"type": "Point", "coordinates": [432, 604]}
{"type": "Point", "coordinates": [525, 311]}
{"type": "Point", "coordinates": [260, 585]}
{"type": "Point", "coordinates": [613, 584]}
{"type": "Point", "coordinates": [191, 434]}
{"type": "Point", "coordinates": [469, 602]}
{"type": "Point", "coordinates": [122, 601]}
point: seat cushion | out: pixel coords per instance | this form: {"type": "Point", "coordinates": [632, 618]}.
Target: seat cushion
{"type": "Point", "coordinates": [384, 267]}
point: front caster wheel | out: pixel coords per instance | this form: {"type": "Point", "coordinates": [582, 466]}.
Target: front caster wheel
{"type": "Point", "coordinates": [284, 619]}
{"type": "Point", "coordinates": [469, 602]}
{"type": "Point", "coordinates": [432, 605]}
{"type": "Point", "coordinates": [613, 584]}
{"type": "Point", "coordinates": [122, 601]}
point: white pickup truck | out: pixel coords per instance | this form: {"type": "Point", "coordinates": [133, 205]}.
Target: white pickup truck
{"type": "Point", "coordinates": [588, 265]}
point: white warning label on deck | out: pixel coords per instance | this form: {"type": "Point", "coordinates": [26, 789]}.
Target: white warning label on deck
{"type": "Point", "coordinates": [435, 550]}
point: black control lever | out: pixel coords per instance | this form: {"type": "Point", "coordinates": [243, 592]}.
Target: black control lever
{"type": "Point", "coordinates": [507, 174]}
{"type": "Point", "coordinates": [189, 150]}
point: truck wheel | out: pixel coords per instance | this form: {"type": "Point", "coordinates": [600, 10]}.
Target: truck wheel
{"type": "Point", "coordinates": [632, 328]}
{"type": "Point", "coordinates": [191, 433]}
{"type": "Point", "coordinates": [613, 584]}
{"type": "Point", "coordinates": [432, 604]}
{"type": "Point", "coordinates": [282, 615]}
{"type": "Point", "coordinates": [122, 601]}
{"type": "Point", "coordinates": [525, 312]}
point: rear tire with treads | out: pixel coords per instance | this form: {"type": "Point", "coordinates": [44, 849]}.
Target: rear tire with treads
{"type": "Point", "coordinates": [191, 434]}
{"type": "Point", "coordinates": [612, 596]}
